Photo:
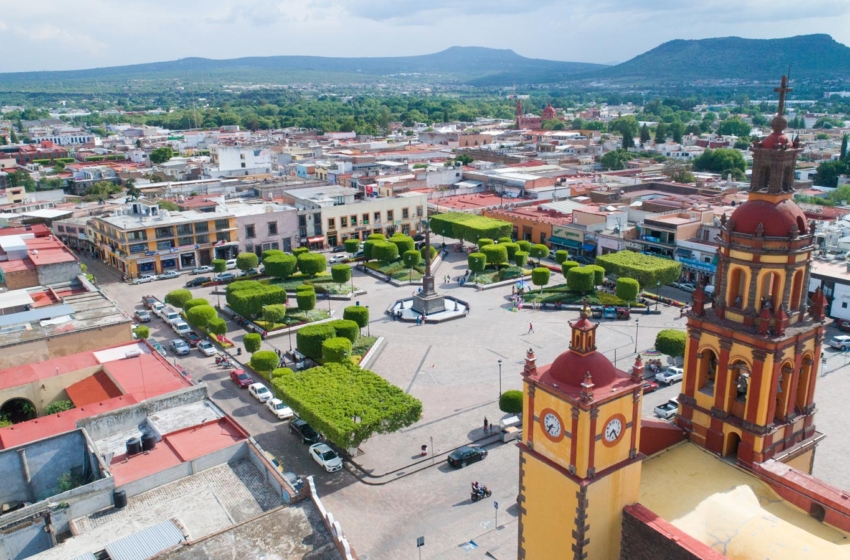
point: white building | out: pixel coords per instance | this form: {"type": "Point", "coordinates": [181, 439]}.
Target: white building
{"type": "Point", "coordinates": [231, 161]}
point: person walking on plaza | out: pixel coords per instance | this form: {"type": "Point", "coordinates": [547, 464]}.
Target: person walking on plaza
{"type": "Point", "coordinates": [530, 328]}
{"type": "Point", "coordinates": [486, 426]}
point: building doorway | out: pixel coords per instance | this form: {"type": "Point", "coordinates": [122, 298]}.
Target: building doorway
{"type": "Point", "coordinates": [732, 442]}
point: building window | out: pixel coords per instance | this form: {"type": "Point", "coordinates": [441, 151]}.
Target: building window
{"type": "Point", "coordinates": [365, 220]}
{"type": "Point", "coordinates": [287, 245]}
{"type": "Point", "coordinates": [272, 228]}
{"type": "Point", "coordinates": [405, 213]}
{"type": "Point", "coordinates": [202, 239]}
{"type": "Point", "coordinates": [186, 241]}
{"type": "Point", "coordinates": [163, 232]}
{"type": "Point", "coordinates": [343, 222]}
{"type": "Point", "coordinates": [250, 231]}
{"type": "Point", "coordinates": [61, 228]}
{"type": "Point", "coordinates": [184, 229]}
{"type": "Point", "coordinates": [377, 218]}
{"type": "Point", "coordinates": [302, 220]}
{"type": "Point", "coordinates": [353, 221]}
{"type": "Point", "coordinates": [390, 216]}
{"type": "Point", "coordinates": [331, 223]}
{"type": "Point", "coordinates": [140, 248]}
{"type": "Point", "coordinates": [137, 236]}
{"type": "Point", "coordinates": [202, 227]}
{"type": "Point", "coordinates": [250, 248]}
{"type": "Point", "coordinates": [163, 245]}
{"type": "Point", "coordinates": [222, 236]}
{"type": "Point", "coordinates": [222, 224]}
{"type": "Point", "coordinates": [419, 211]}
{"type": "Point", "coordinates": [302, 231]}
{"type": "Point", "coordinates": [332, 241]}
{"type": "Point", "coordinates": [542, 237]}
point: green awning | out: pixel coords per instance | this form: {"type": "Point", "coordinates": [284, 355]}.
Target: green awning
{"type": "Point", "coordinates": [564, 242]}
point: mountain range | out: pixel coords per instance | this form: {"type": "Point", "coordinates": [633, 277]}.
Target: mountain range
{"type": "Point", "coordinates": [809, 57]}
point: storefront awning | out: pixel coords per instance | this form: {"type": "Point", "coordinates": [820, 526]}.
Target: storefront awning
{"type": "Point", "coordinates": [589, 246]}
{"type": "Point", "coordinates": [564, 242]}
{"type": "Point", "coordinates": [317, 239]}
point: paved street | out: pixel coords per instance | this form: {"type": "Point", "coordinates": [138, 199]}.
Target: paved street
{"type": "Point", "coordinates": [453, 368]}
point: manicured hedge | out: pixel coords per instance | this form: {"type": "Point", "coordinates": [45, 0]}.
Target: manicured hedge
{"type": "Point", "coordinates": [567, 265]}
{"type": "Point", "coordinates": [309, 339]}
{"type": "Point", "coordinates": [312, 263]}
{"type": "Point", "coordinates": [336, 350]}
{"type": "Point", "coordinates": [376, 237]}
{"type": "Point", "coordinates": [247, 261]}
{"type": "Point", "coordinates": [433, 253]}
{"type": "Point", "coordinates": [351, 245]}
{"type": "Point", "coordinates": [280, 266]}
{"type": "Point", "coordinates": [524, 245]}
{"type": "Point", "coordinates": [598, 273]}
{"type": "Point", "coordinates": [252, 342]}
{"type": "Point", "coordinates": [358, 314]}
{"type": "Point", "coordinates": [305, 296]}
{"type": "Point", "coordinates": [540, 276]}
{"type": "Point", "coordinates": [403, 242]}
{"type": "Point", "coordinates": [271, 253]}
{"type": "Point", "coordinates": [178, 297]}
{"type": "Point", "coordinates": [469, 227]}
{"type": "Point", "coordinates": [264, 362]}
{"type": "Point", "coordinates": [510, 402]}
{"type": "Point", "coordinates": [671, 342]}
{"type": "Point", "coordinates": [505, 240]}
{"type": "Point", "coordinates": [249, 297]}
{"type": "Point", "coordinates": [219, 265]}
{"type": "Point", "coordinates": [274, 313]}
{"type": "Point", "coordinates": [646, 269]}
{"type": "Point", "coordinates": [298, 251]}
{"type": "Point", "coordinates": [561, 256]}
{"type": "Point", "coordinates": [201, 315]}
{"type": "Point", "coordinates": [495, 254]}
{"type": "Point", "coordinates": [346, 329]}
{"type": "Point", "coordinates": [194, 302]}
{"type": "Point", "coordinates": [368, 245]}
{"type": "Point", "coordinates": [341, 273]}
{"type": "Point", "coordinates": [142, 332]}
{"type": "Point", "coordinates": [580, 279]}
{"type": "Point", "coordinates": [483, 242]}
{"type": "Point", "coordinates": [511, 248]}
{"type": "Point", "coordinates": [627, 289]}
{"type": "Point", "coordinates": [521, 258]}
{"type": "Point", "coordinates": [538, 251]}
{"type": "Point", "coordinates": [411, 258]}
{"type": "Point", "coordinates": [217, 326]}
{"type": "Point", "coordinates": [385, 251]}
{"type": "Point", "coordinates": [476, 262]}
{"type": "Point", "coordinates": [347, 404]}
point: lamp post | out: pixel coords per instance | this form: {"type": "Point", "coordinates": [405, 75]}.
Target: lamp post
{"type": "Point", "coordinates": [500, 378]}
{"type": "Point", "coordinates": [657, 294]}
{"type": "Point", "coordinates": [368, 323]}
{"type": "Point", "coordinates": [289, 334]}
{"type": "Point", "coordinates": [637, 326]}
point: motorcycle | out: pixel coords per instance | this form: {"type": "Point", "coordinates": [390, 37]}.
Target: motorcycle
{"type": "Point", "coordinates": [483, 492]}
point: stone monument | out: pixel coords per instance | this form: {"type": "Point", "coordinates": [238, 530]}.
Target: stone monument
{"type": "Point", "coordinates": [428, 301]}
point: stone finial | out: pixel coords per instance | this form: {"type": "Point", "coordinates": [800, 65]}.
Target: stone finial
{"type": "Point", "coordinates": [586, 394]}
{"type": "Point", "coordinates": [530, 364]}
{"type": "Point", "coordinates": [637, 370]}
{"type": "Point", "coordinates": [781, 321]}
{"type": "Point", "coordinates": [698, 298]}
{"type": "Point", "coordinates": [723, 220]}
{"type": "Point", "coordinates": [794, 232]}
{"type": "Point", "coordinates": [818, 307]}
{"type": "Point", "coordinates": [813, 226]}
{"type": "Point", "coordinates": [760, 230]}
{"type": "Point", "coordinates": [764, 320]}
{"type": "Point", "coordinates": [730, 225]}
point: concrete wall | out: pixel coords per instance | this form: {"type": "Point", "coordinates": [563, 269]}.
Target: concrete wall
{"type": "Point", "coordinates": [21, 279]}
{"type": "Point", "coordinates": [65, 344]}
{"type": "Point", "coordinates": [272, 477]}
{"type": "Point", "coordinates": [53, 389]}
{"type": "Point", "coordinates": [60, 272]}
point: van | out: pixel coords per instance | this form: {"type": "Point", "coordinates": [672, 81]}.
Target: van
{"type": "Point", "coordinates": [231, 264]}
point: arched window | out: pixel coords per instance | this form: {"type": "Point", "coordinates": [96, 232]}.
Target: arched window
{"type": "Point", "coordinates": [738, 388]}
{"type": "Point", "coordinates": [784, 401]}
{"type": "Point", "coordinates": [771, 290]}
{"type": "Point", "coordinates": [801, 401]}
{"type": "Point", "coordinates": [737, 292]}
{"type": "Point", "coordinates": [796, 291]}
{"type": "Point", "coordinates": [706, 371]}
{"type": "Point", "coordinates": [764, 178]}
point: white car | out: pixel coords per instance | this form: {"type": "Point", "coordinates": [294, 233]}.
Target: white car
{"type": "Point", "coordinates": [338, 258]}
{"type": "Point", "coordinates": [202, 270]}
{"type": "Point", "coordinates": [260, 392]}
{"type": "Point", "coordinates": [168, 275]}
{"type": "Point", "coordinates": [206, 348]}
{"type": "Point", "coordinates": [667, 410]}
{"type": "Point", "coordinates": [180, 347]}
{"type": "Point", "coordinates": [181, 327]}
{"type": "Point", "coordinates": [670, 375]}
{"type": "Point", "coordinates": [231, 264]}
{"type": "Point", "coordinates": [170, 316]}
{"type": "Point", "coordinates": [145, 278]}
{"type": "Point", "coordinates": [687, 287]}
{"type": "Point", "coordinates": [280, 409]}
{"type": "Point", "coordinates": [841, 342]}
{"type": "Point", "coordinates": [326, 457]}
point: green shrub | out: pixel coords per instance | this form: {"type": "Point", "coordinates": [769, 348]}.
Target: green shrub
{"type": "Point", "coordinates": [264, 361]}
{"type": "Point", "coordinates": [309, 339]}
{"type": "Point", "coordinates": [469, 227]}
{"type": "Point", "coordinates": [252, 342]}
{"type": "Point", "coordinates": [510, 402]}
{"type": "Point", "coordinates": [403, 242]}
{"type": "Point", "coordinates": [433, 253]}
{"type": "Point", "coordinates": [312, 263]}
{"type": "Point", "coordinates": [538, 251]}
{"type": "Point", "coordinates": [671, 342]}
{"type": "Point", "coordinates": [561, 256]}
{"type": "Point", "coordinates": [598, 273]}
{"type": "Point", "coordinates": [346, 329]}
{"type": "Point", "coordinates": [271, 253]}
{"type": "Point", "coordinates": [219, 265]}
{"type": "Point", "coordinates": [521, 258]}
{"type": "Point", "coordinates": [280, 266]}
{"type": "Point", "coordinates": [247, 261]}
{"type": "Point", "coordinates": [540, 276]}
{"type": "Point", "coordinates": [274, 313]}
{"type": "Point", "coordinates": [368, 245]}
{"type": "Point", "coordinates": [201, 315]}
{"type": "Point", "coordinates": [359, 315]}
{"type": "Point", "coordinates": [495, 254]}
{"type": "Point", "coordinates": [142, 332]}
{"type": "Point", "coordinates": [279, 372]}
{"type": "Point", "coordinates": [59, 406]}
{"type": "Point", "coordinates": [580, 279]}
{"type": "Point", "coordinates": [511, 248]}
{"type": "Point", "coordinates": [567, 265]}
{"type": "Point", "coordinates": [627, 289]}
{"type": "Point", "coordinates": [477, 262]}
{"type": "Point", "coordinates": [385, 251]}
{"type": "Point", "coordinates": [306, 299]}
{"type": "Point", "coordinates": [336, 350]}
{"type": "Point", "coordinates": [341, 273]}
{"type": "Point", "coordinates": [249, 298]}
{"type": "Point", "coordinates": [483, 242]}
{"type": "Point", "coordinates": [351, 245]}
{"type": "Point", "coordinates": [178, 297]}
{"type": "Point", "coordinates": [524, 245]}
{"type": "Point", "coordinates": [376, 237]}
{"type": "Point", "coordinates": [217, 326]}
{"type": "Point", "coordinates": [646, 269]}
{"type": "Point", "coordinates": [194, 302]}
{"type": "Point", "coordinates": [239, 285]}
{"type": "Point", "coordinates": [411, 258]}
{"type": "Point", "coordinates": [298, 251]}
{"type": "Point", "coordinates": [505, 240]}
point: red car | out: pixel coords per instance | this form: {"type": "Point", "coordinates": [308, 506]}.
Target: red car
{"type": "Point", "coordinates": [842, 325]}
{"type": "Point", "coordinates": [241, 378]}
{"type": "Point", "coordinates": [192, 338]}
{"type": "Point", "coordinates": [649, 386]}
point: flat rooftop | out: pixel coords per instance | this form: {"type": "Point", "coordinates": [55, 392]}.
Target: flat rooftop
{"type": "Point", "coordinates": [139, 221]}
{"type": "Point", "coordinates": [732, 511]}
{"type": "Point", "coordinates": [468, 202]}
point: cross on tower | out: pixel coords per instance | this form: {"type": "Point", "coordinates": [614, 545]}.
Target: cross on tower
{"type": "Point", "coordinates": [782, 90]}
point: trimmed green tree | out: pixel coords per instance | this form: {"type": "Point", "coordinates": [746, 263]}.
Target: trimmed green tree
{"type": "Point", "coordinates": [194, 302]}
{"type": "Point", "coordinates": [274, 313]}
{"type": "Point", "coordinates": [469, 227]}
{"type": "Point", "coordinates": [271, 253]}
{"type": "Point", "coordinates": [433, 253]}
{"type": "Point", "coordinates": [521, 258]}
{"type": "Point", "coordinates": [505, 240]}
{"type": "Point", "coordinates": [540, 277]}
{"type": "Point", "coordinates": [598, 273]}
{"type": "Point", "coordinates": [351, 245]}
{"type": "Point", "coordinates": [280, 266]}
{"type": "Point", "coordinates": [309, 339]}
{"type": "Point", "coordinates": [201, 315]}
{"type": "Point", "coordinates": [580, 279]}
{"type": "Point", "coordinates": [358, 314]}
{"type": "Point", "coordinates": [252, 342]}
{"type": "Point", "coordinates": [341, 273]}
{"type": "Point", "coordinates": [671, 342]}
{"type": "Point", "coordinates": [312, 264]}
{"type": "Point", "coordinates": [403, 242]}
{"type": "Point", "coordinates": [376, 237]}
{"type": "Point", "coordinates": [368, 245]}
{"type": "Point", "coordinates": [567, 265]}
{"type": "Point", "coordinates": [495, 254]}
{"type": "Point", "coordinates": [524, 245]}
{"type": "Point", "coordinates": [627, 289]}
{"type": "Point", "coordinates": [510, 402]}
{"type": "Point", "coordinates": [511, 248]}
{"type": "Point", "coordinates": [411, 258]}
{"type": "Point", "coordinates": [336, 350]}
{"type": "Point", "coordinates": [385, 251]}
{"type": "Point", "coordinates": [561, 256]}
{"type": "Point", "coordinates": [646, 269]}
{"type": "Point", "coordinates": [178, 297]}
{"type": "Point", "coordinates": [476, 262]}
{"type": "Point", "coordinates": [247, 261]}
{"type": "Point", "coordinates": [538, 251]}
{"type": "Point", "coordinates": [484, 242]}
{"type": "Point", "coordinates": [142, 332]}
{"type": "Point", "coordinates": [298, 251]}
{"type": "Point", "coordinates": [217, 326]}
{"type": "Point", "coordinates": [264, 361]}
{"type": "Point", "coordinates": [346, 329]}
{"type": "Point", "coordinates": [305, 297]}
{"type": "Point", "coordinates": [219, 265]}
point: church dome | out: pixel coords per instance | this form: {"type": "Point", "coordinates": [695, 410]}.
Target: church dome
{"type": "Point", "coordinates": [570, 367]}
{"type": "Point", "coordinates": [777, 219]}
{"type": "Point", "coordinates": [549, 112]}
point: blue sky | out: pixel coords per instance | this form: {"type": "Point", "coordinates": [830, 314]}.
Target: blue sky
{"type": "Point", "coordinates": [53, 35]}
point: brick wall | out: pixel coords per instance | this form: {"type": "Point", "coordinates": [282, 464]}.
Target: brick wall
{"type": "Point", "coordinates": [648, 537]}
{"type": "Point", "coordinates": [20, 279]}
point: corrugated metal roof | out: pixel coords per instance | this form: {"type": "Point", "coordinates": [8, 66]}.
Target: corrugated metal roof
{"type": "Point", "coordinates": [35, 315]}
{"type": "Point", "coordinates": [146, 543]}
{"type": "Point", "coordinates": [86, 556]}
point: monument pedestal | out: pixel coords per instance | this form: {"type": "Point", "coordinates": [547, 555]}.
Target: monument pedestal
{"type": "Point", "coordinates": [428, 301]}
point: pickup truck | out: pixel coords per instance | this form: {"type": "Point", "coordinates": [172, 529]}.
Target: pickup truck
{"type": "Point", "coordinates": [667, 410]}
{"type": "Point", "coordinates": [670, 375]}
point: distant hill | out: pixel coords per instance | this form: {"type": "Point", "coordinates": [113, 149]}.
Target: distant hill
{"type": "Point", "coordinates": [456, 64]}
{"type": "Point", "coordinates": [809, 56]}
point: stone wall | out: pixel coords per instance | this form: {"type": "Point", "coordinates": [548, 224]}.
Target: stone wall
{"type": "Point", "coordinates": [648, 537]}
{"type": "Point", "coordinates": [64, 344]}
{"type": "Point", "coordinates": [60, 272]}
{"type": "Point", "coordinates": [20, 279]}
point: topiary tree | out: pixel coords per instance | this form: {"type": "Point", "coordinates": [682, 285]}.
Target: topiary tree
{"type": "Point", "coordinates": [341, 273]}
{"type": "Point", "coordinates": [217, 326]}
{"type": "Point", "coordinates": [598, 274]}
{"type": "Point", "coordinates": [477, 262]}
{"type": "Point", "coordinates": [505, 240]}
{"type": "Point", "coordinates": [580, 279]}
{"type": "Point", "coordinates": [247, 261]}
{"type": "Point", "coordinates": [264, 362]}
{"type": "Point", "coordinates": [538, 251]}
{"type": "Point", "coordinates": [312, 263]}
{"type": "Point", "coordinates": [252, 342]}
{"type": "Point", "coordinates": [336, 350]}
{"type": "Point", "coordinates": [274, 313]}
{"type": "Point", "coordinates": [511, 248]}
{"type": "Point", "coordinates": [376, 237]}
{"type": "Point", "coordinates": [194, 302]}
{"type": "Point", "coordinates": [510, 402]}
{"type": "Point", "coordinates": [298, 251]}
{"type": "Point", "coordinates": [351, 245]}
{"type": "Point", "coordinates": [368, 245]}
{"type": "Point", "coordinates": [433, 253]}
{"type": "Point", "coordinates": [142, 332]}
{"type": "Point", "coordinates": [403, 242]}
{"type": "Point", "coordinates": [385, 251]}
{"type": "Point", "coordinates": [271, 253]}
{"type": "Point", "coordinates": [524, 245]}
{"type": "Point", "coordinates": [201, 315]}
{"type": "Point", "coordinates": [306, 299]}
{"type": "Point", "coordinates": [671, 342]}
{"type": "Point", "coordinates": [411, 258]}
{"type": "Point", "coordinates": [627, 289]}
{"type": "Point", "coordinates": [359, 315]}
{"type": "Point", "coordinates": [483, 242]}
{"type": "Point", "coordinates": [567, 265]}
{"type": "Point", "coordinates": [309, 339]}
{"type": "Point", "coordinates": [646, 269]}
{"type": "Point", "coordinates": [495, 254]}
{"type": "Point", "coordinates": [280, 266]}
{"type": "Point", "coordinates": [346, 329]}
{"type": "Point", "coordinates": [521, 258]}
{"type": "Point", "coordinates": [540, 277]}
{"type": "Point", "coordinates": [561, 256]}
{"type": "Point", "coordinates": [178, 297]}
{"type": "Point", "coordinates": [219, 265]}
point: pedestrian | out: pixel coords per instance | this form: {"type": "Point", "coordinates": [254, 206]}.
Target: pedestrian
{"type": "Point", "coordinates": [486, 426]}
{"type": "Point", "coordinates": [530, 328]}
{"type": "Point", "coordinates": [417, 320]}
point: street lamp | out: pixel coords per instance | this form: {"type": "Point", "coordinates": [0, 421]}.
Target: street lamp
{"type": "Point", "coordinates": [289, 334]}
{"type": "Point", "coordinates": [657, 294]}
{"type": "Point", "coordinates": [368, 323]}
{"type": "Point", "coordinates": [500, 378]}
{"type": "Point", "coordinates": [637, 326]}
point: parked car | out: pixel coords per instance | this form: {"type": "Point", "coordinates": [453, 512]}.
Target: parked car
{"type": "Point", "coordinates": [158, 347]}
{"type": "Point", "coordinates": [227, 277]}
{"type": "Point", "coordinates": [170, 316]}
{"type": "Point", "coordinates": [259, 392]}
{"type": "Point", "coordinates": [206, 348]}
{"type": "Point", "coordinates": [142, 316]}
{"type": "Point", "coordinates": [303, 430]}
{"type": "Point", "coordinates": [582, 260]}
{"type": "Point", "coordinates": [169, 275]}
{"type": "Point", "coordinates": [279, 409]}
{"type": "Point", "coordinates": [687, 287]}
{"type": "Point", "coordinates": [842, 325]}
{"type": "Point", "coordinates": [335, 259]}
{"type": "Point", "coordinates": [192, 338]}
{"type": "Point", "coordinates": [465, 455]}
{"type": "Point", "coordinates": [326, 457]}
{"type": "Point", "coordinates": [649, 386]}
{"type": "Point", "coordinates": [667, 410]}
{"type": "Point", "coordinates": [182, 328]}
{"type": "Point", "coordinates": [339, 249]}
{"type": "Point", "coordinates": [841, 342]}
{"type": "Point", "coordinates": [180, 347]}
{"type": "Point", "coordinates": [671, 375]}
{"type": "Point", "coordinates": [149, 301]}
{"type": "Point", "coordinates": [251, 272]}
{"type": "Point", "coordinates": [144, 279]}
{"type": "Point", "coordinates": [231, 264]}
{"type": "Point", "coordinates": [241, 378]}
{"type": "Point", "coordinates": [199, 281]}
{"type": "Point", "coordinates": [202, 270]}
{"type": "Point", "coordinates": [158, 309]}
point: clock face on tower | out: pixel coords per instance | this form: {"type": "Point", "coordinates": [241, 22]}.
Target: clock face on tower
{"type": "Point", "coordinates": [553, 426]}
{"type": "Point", "coordinates": [613, 430]}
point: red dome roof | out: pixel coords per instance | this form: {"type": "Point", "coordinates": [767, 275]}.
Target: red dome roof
{"type": "Point", "coordinates": [549, 112]}
{"type": "Point", "coordinates": [774, 141]}
{"type": "Point", "coordinates": [570, 367]}
{"type": "Point", "coordinates": [776, 219]}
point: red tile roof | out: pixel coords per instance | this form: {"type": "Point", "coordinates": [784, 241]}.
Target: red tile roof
{"type": "Point", "coordinates": [93, 389]}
